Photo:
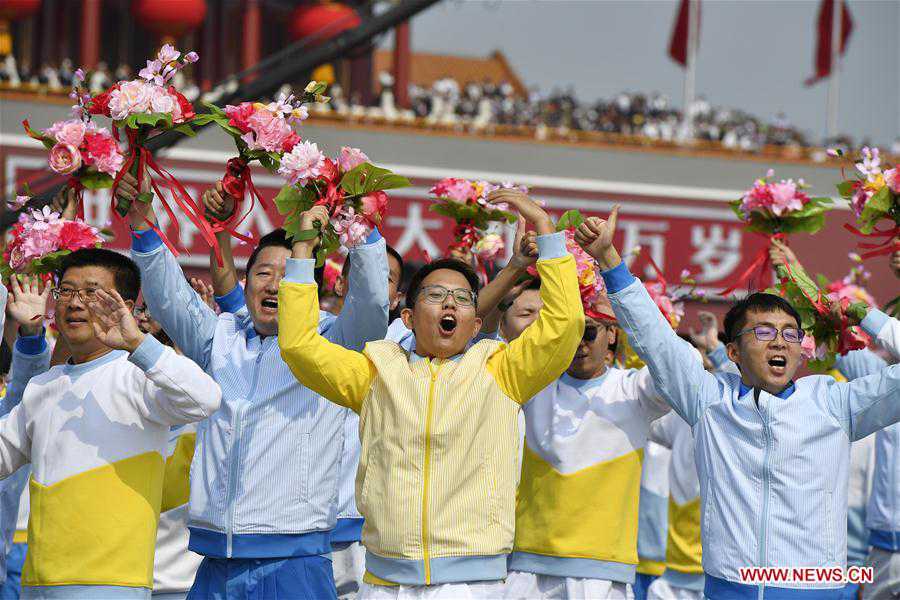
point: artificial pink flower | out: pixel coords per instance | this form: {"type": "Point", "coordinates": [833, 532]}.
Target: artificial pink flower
{"type": "Point", "coordinates": [75, 235]}
{"type": "Point", "coordinates": [808, 347]}
{"type": "Point", "coordinates": [351, 158]}
{"type": "Point", "coordinates": [860, 198]}
{"type": "Point", "coordinates": [784, 197]}
{"type": "Point", "coordinates": [351, 228]}
{"type": "Point", "coordinates": [374, 204]}
{"type": "Point", "coordinates": [892, 179]}
{"type": "Point", "coordinates": [69, 132]}
{"type": "Point", "coordinates": [239, 115]}
{"type": "Point", "coordinates": [102, 152]}
{"type": "Point", "coordinates": [458, 190]}
{"type": "Point", "coordinates": [267, 131]}
{"type": "Point", "coordinates": [161, 101]}
{"type": "Point", "coordinates": [131, 97]}
{"type": "Point", "coordinates": [65, 159]}
{"type": "Point", "coordinates": [488, 247]}
{"type": "Point", "coordinates": [290, 141]}
{"type": "Point", "coordinates": [167, 54]}
{"type": "Point", "coordinates": [302, 163]}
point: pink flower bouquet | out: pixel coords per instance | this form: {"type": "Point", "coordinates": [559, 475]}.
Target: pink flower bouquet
{"type": "Point", "coordinates": [350, 187]}
{"type": "Point", "coordinates": [41, 238]}
{"type": "Point", "coordinates": [874, 196]}
{"type": "Point", "coordinates": [466, 203]}
{"type": "Point", "coordinates": [262, 132]}
{"type": "Point", "coordinates": [773, 207]}
{"type": "Point", "coordinates": [88, 154]}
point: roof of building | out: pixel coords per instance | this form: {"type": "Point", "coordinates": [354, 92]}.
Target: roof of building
{"type": "Point", "coordinates": [425, 68]}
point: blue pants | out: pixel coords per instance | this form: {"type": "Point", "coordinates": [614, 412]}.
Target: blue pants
{"type": "Point", "coordinates": [850, 591]}
{"type": "Point", "coordinates": [15, 560]}
{"type": "Point", "coordinates": [641, 584]}
{"type": "Point", "coordinates": [264, 579]}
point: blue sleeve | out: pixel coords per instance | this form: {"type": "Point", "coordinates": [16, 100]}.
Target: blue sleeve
{"type": "Point", "coordinates": [10, 494]}
{"type": "Point", "coordinates": [233, 301]}
{"type": "Point", "coordinates": [551, 245]}
{"type": "Point", "coordinates": [4, 294]}
{"type": "Point", "coordinates": [171, 300]}
{"type": "Point", "coordinates": [25, 365]}
{"type": "Point", "coordinates": [364, 316]}
{"type": "Point", "coordinates": [677, 375]}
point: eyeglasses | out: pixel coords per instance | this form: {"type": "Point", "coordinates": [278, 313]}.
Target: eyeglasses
{"type": "Point", "coordinates": [766, 333]}
{"type": "Point", "coordinates": [436, 294]}
{"type": "Point", "coordinates": [66, 294]}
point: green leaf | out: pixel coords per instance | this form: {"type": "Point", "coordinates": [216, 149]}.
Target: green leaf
{"type": "Point", "coordinates": [186, 130]}
{"type": "Point", "coordinates": [213, 109]}
{"type": "Point", "coordinates": [571, 219]}
{"type": "Point", "coordinates": [148, 120]}
{"type": "Point", "coordinates": [878, 207]}
{"type": "Point", "coordinates": [287, 199]}
{"type": "Point", "coordinates": [845, 189]}
{"type": "Point", "coordinates": [823, 281]}
{"type": "Point", "coordinates": [95, 180]}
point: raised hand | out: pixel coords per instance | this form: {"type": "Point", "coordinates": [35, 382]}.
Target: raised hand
{"type": "Point", "coordinates": [205, 291]}
{"type": "Point", "coordinates": [65, 203]}
{"type": "Point", "coordinates": [218, 203]}
{"type": "Point", "coordinates": [113, 322]}
{"type": "Point", "coordinates": [595, 235]}
{"type": "Point", "coordinates": [128, 191]}
{"type": "Point", "coordinates": [528, 209]}
{"type": "Point", "coordinates": [314, 219]}
{"type": "Point", "coordinates": [707, 338]}
{"type": "Point", "coordinates": [781, 255]}
{"type": "Point", "coordinates": [525, 247]}
{"type": "Point", "coordinates": [27, 303]}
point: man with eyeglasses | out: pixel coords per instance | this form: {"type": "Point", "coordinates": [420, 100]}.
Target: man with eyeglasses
{"type": "Point", "coordinates": [772, 452]}
{"type": "Point", "coordinates": [439, 423]}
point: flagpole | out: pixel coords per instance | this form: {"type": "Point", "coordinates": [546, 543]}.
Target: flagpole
{"type": "Point", "coordinates": [690, 69]}
{"type": "Point", "coordinates": [837, 26]}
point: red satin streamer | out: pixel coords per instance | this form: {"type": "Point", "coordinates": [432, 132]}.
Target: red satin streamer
{"type": "Point", "coordinates": [235, 183]}
{"type": "Point", "coordinates": [882, 249]}
{"type": "Point", "coordinates": [75, 184]}
{"type": "Point", "coordinates": [465, 237]}
{"type": "Point", "coordinates": [761, 262]}
{"type": "Point", "coordinates": [179, 194]}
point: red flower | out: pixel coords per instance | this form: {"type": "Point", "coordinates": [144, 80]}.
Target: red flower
{"type": "Point", "coordinates": [75, 235]}
{"type": "Point", "coordinates": [374, 204]}
{"type": "Point", "coordinates": [99, 104]}
{"type": "Point", "coordinates": [98, 145]}
{"type": "Point", "coordinates": [329, 172]}
{"type": "Point", "coordinates": [290, 141]}
{"type": "Point", "coordinates": [187, 109]}
{"type": "Point", "coordinates": [238, 116]}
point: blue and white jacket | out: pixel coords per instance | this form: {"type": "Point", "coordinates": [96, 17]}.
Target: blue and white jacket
{"type": "Point", "coordinates": [773, 471]}
{"type": "Point", "coordinates": [883, 509]}
{"type": "Point", "coordinates": [264, 478]}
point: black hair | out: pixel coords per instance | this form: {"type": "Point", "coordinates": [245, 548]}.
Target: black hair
{"type": "Point", "coordinates": [736, 318]}
{"type": "Point", "coordinates": [451, 264]}
{"type": "Point", "coordinates": [279, 239]}
{"type": "Point", "coordinates": [126, 276]}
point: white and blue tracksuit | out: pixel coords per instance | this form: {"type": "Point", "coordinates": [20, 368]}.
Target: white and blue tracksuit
{"type": "Point", "coordinates": [773, 469]}
{"type": "Point", "coordinates": [264, 479]}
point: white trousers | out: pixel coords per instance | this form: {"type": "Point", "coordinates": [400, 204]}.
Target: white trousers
{"type": "Point", "coordinates": [349, 566]}
{"type": "Point", "coordinates": [661, 589]}
{"type": "Point", "coordinates": [444, 591]}
{"type": "Point", "coordinates": [531, 586]}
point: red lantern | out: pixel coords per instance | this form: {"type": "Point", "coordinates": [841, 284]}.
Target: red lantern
{"type": "Point", "coordinates": [170, 18]}
{"type": "Point", "coordinates": [322, 21]}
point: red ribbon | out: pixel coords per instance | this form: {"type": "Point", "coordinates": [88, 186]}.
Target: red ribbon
{"type": "Point", "coordinates": [236, 182]}
{"type": "Point", "coordinates": [75, 184]}
{"type": "Point", "coordinates": [884, 248]}
{"type": "Point", "coordinates": [189, 207]}
{"type": "Point", "coordinates": [762, 262]}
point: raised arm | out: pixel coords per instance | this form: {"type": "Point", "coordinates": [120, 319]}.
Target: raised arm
{"type": "Point", "coordinates": [491, 295]}
{"type": "Point", "coordinates": [340, 375]}
{"type": "Point", "coordinates": [677, 374]}
{"type": "Point", "coordinates": [176, 390]}
{"type": "Point", "coordinates": [870, 403]}
{"type": "Point", "coordinates": [545, 349]}
{"type": "Point", "coordinates": [179, 309]}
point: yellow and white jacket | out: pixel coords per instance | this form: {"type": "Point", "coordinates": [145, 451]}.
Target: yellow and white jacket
{"type": "Point", "coordinates": [437, 473]}
{"type": "Point", "coordinates": [577, 510]}
{"type": "Point", "coordinates": [95, 434]}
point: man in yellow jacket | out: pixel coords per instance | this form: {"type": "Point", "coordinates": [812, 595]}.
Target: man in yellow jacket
{"type": "Point", "coordinates": [438, 424]}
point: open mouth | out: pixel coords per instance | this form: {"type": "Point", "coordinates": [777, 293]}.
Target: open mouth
{"type": "Point", "coordinates": [447, 324]}
{"type": "Point", "coordinates": [270, 303]}
{"type": "Point", "coordinates": [778, 363]}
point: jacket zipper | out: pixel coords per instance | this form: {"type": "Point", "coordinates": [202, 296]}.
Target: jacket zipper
{"type": "Point", "coordinates": [234, 462]}
{"type": "Point", "coordinates": [765, 507]}
{"type": "Point", "coordinates": [426, 551]}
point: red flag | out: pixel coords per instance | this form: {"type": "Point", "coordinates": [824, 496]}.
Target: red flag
{"type": "Point", "coordinates": [823, 43]}
{"type": "Point", "coordinates": [678, 46]}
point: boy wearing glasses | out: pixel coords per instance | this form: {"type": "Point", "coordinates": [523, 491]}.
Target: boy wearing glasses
{"type": "Point", "coordinates": [438, 424]}
{"type": "Point", "coordinates": [95, 431]}
{"type": "Point", "coordinates": [577, 508]}
{"type": "Point", "coordinates": [772, 452]}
